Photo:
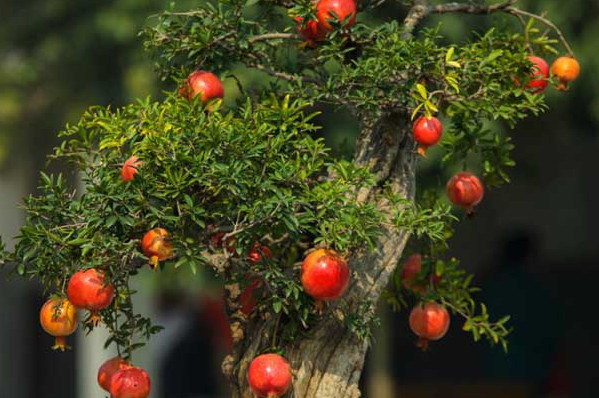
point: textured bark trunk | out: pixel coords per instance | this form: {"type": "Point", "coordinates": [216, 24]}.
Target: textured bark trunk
{"type": "Point", "coordinates": [329, 361]}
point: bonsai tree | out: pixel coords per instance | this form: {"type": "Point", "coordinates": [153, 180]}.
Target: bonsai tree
{"type": "Point", "coordinates": [306, 239]}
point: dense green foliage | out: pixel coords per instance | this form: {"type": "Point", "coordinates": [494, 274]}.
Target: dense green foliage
{"type": "Point", "coordinates": [254, 171]}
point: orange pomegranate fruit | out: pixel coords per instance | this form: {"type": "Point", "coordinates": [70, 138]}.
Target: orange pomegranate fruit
{"type": "Point", "coordinates": [130, 382]}
{"type": "Point", "coordinates": [427, 132]}
{"type": "Point", "coordinates": [336, 10]}
{"type": "Point", "coordinates": [325, 275]}
{"type": "Point", "coordinates": [156, 245]}
{"type": "Point", "coordinates": [429, 321]}
{"type": "Point", "coordinates": [108, 369]}
{"type": "Point", "coordinates": [269, 375]}
{"type": "Point", "coordinates": [58, 318]}
{"type": "Point", "coordinates": [130, 168]}
{"type": "Point", "coordinates": [204, 84]}
{"type": "Point", "coordinates": [566, 69]}
{"type": "Point", "coordinates": [89, 290]}
{"type": "Point", "coordinates": [465, 190]}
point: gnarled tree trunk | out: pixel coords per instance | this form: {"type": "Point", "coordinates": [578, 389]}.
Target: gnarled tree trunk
{"type": "Point", "coordinates": [329, 361]}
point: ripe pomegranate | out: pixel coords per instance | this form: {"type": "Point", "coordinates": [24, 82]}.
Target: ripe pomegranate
{"type": "Point", "coordinates": [411, 268]}
{"type": "Point", "coordinates": [465, 189]}
{"type": "Point", "coordinates": [257, 251]}
{"type": "Point", "coordinates": [88, 290]}
{"type": "Point", "coordinates": [130, 168]}
{"type": "Point", "coordinates": [205, 84]}
{"type": "Point", "coordinates": [108, 369]}
{"type": "Point", "coordinates": [58, 318]}
{"type": "Point", "coordinates": [269, 375]}
{"type": "Point", "coordinates": [325, 275]}
{"type": "Point", "coordinates": [336, 10]}
{"type": "Point", "coordinates": [247, 298]}
{"type": "Point", "coordinates": [427, 132]}
{"type": "Point", "coordinates": [312, 32]}
{"type": "Point", "coordinates": [539, 77]}
{"type": "Point", "coordinates": [429, 321]}
{"type": "Point", "coordinates": [156, 246]}
{"type": "Point", "coordinates": [131, 382]}
{"type": "Point", "coordinates": [566, 69]}
{"type": "Point", "coordinates": [216, 240]}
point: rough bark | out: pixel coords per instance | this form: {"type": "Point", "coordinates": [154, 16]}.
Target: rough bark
{"type": "Point", "coordinates": [329, 361]}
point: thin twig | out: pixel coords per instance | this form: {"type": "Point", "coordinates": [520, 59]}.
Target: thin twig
{"type": "Point", "coordinates": [274, 36]}
{"type": "Point", "coordinates": [516, 11]}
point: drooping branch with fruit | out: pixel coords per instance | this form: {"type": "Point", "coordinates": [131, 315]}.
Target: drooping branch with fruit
{"type": "Point", "coordinates": [306, 242]}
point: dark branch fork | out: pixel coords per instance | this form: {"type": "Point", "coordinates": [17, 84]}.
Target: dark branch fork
{"type": "Point", "coordinates": [423, 9]}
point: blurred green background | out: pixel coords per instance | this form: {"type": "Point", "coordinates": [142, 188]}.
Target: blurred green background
{"type": "Point", "coordinates": [533, 244]}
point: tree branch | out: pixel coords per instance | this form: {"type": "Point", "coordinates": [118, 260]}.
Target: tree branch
{"type": "Point", "coordinates": [519, 13]}
{"type": "Point", "coordinates": [422, 9]}
{"type": "Point", "coordinates": [274, 36]}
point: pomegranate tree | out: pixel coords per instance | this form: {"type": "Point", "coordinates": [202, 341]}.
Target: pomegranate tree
{"type": "Point", "coordinates": [256, 169]}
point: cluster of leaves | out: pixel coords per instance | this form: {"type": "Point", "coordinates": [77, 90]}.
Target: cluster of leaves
{"type": "Point", "coordinates": [451, 286]}
{"type": "Point", "coordinates": [255, 173]}
{"type": "Point", "coordinates": [372, 70]}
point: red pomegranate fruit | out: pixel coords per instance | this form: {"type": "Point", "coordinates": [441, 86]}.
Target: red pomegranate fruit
{"type": "Point", "coordinates": [217, 238]}
{"type": "Point", "coordinates": [156, 245]}
{"type": "Point", "coordinates": [539, 76]}
{"type": "Point", "coordinates": [269, 375]}
{"type": "Point", "coordinates": [427, 132]}
{"type": "Point", "coordinates": [258, 252]}
{"type": "Point", "coordinates": [131, 382]}
{"type": "Point", "coordinates": [336, 10]}
{"type": "Point", "coordinates": [89, 290]}
{"type": "Point", "coordinates": [312, 31]}
{"type": "Point", "coordinates": [130, 168]}
{"type": "Point", "coordinates": [247, 298]}
{"type": "Point", "coordinates": [410, 270]}
{"type": "Point", "coordinates": [325, 275]}
{"type": "Point", "coordinates": [204, 84]}
{"type": "Point", "coordinates": [108, 369]}
{"type": "Point", "coordinates": [58, 318]}
{"type": "Point", "coordinates": [566, 69]}
{"type": "Point", "coordinates": [429, 321]}
{"type": "Point", "coordinates": [465, 190]}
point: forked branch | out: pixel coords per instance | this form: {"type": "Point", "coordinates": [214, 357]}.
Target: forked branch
{"type": "Point", "coordinates": [422, 9]}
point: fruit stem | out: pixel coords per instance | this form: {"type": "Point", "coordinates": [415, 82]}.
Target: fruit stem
{"type": "Point", "coordinates": [422, 151]}
{"type": "Point", "coordinates": [60, 343]}
{"type": "Point", "coordinates": [154, 263]}
{"type": "Point", "coordinates": [319, 306]}
{"type": "Point", "coordinates": [423, 344]}
{"type": "Point", "coordinates": [94, 319]}
{"type": "Point", "coordinates": [562, 85]}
